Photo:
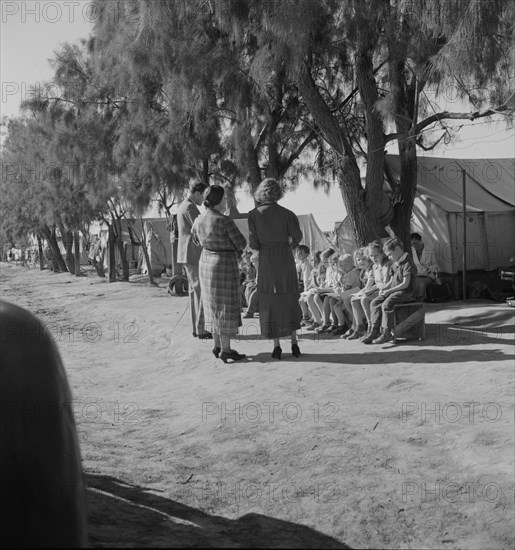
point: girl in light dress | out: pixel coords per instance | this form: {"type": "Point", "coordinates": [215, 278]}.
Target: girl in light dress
{"type": "Point", "coordinates": [378, 276]}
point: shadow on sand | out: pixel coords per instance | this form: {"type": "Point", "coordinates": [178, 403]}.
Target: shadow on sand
{"type": "Point", "coordinates": [123, 515]}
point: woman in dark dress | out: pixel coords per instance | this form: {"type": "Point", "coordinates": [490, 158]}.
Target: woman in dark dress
{"type": "Point", "coordinates": [274, 231]}
{"type": "Point", "coordinates": [219, 273]}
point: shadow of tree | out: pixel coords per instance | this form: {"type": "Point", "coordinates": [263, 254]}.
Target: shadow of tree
{"type": "Point", "coordinates": [124, 515]}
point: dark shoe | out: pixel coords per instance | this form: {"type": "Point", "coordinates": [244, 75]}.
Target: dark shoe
{"type": "Point", "coordinates": [248, 315]}
{"type": "Point", "coordinates": [276, 354]}
{"type": "Point", "coordinates": [216, 351]}
{"type": "Point", "coordinates": [349, 333]}
{"type": "Point", "coordinates": [324, 328]}
{"type": "Point", "coordinates": [194, 335]}
{"type": "Point", "coordinates": [387, 336]}
{"type": "Point", "coordinates": [339, 331]}
{"type": "Point", "coordinates": [205, 336]}
{"type": "Point", "coordinates": [233, 354]}
{"type": "Point", "coordinates": [314, 326]}
{"type": "Point", "coordinates": [295, 350]}
{"type": "Point", "coordinates": [371, 336]}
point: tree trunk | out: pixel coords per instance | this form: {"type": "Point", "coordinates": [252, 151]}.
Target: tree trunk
{"type": "Point", "coordinates": [145, 254]}
{"type": "Point", "coordinates": [231, 200]}
{"type": "Point", "coordinates": [376, 202]}
{"type": "Point", "coordinates": [249, 153]}
{"type": "Point", "coordinates": [404, 92]}
{"type": "Point", "coordinates": [40, 252]}
{"type": "Point", "coordinates": [274, 169]}
{"type": "Point", "coordinates": [112, 258]}
{"type": "Point", "coordinates": [57, 258]}
{"type": "Point", "coordinates": [117, 228]}
{"type": "Point", "coordinates": [67, 238]}
{"type": "Point", "coordinates": [403, 208]}
{"type": "Point", "coordinates": [76, 241]}
{"type": "Point", "coordinates": [205, 170]}
{"type": "Point", "coordinates": [365, 228]}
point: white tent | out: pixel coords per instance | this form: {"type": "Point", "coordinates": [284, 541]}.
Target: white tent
{"type": "Point", "coordinates": [312, 234]}
{"type": "Point", "coordinates": [438, 211]}
{"type": "Point", "coordinates": [490, 210]}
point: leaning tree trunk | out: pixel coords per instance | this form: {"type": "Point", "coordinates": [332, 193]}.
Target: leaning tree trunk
{"type": "Point", "coordinates": [365, 227]}
{"type": "Point", "coordinates": [40, 252]}
{"type": "Point", "coordinates": [57, 258]}
{"type": "Point", "coordinates": [76, 242]}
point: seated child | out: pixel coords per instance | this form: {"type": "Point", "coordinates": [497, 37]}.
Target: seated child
{"type": "Point", "coordinates": [398, 290]}
{"type": "Point", "coordinates": [348, 284]}
{"type": "Point", "coordinates": [314, 278]}
{"type": "Point", "coordinates": [303, 266]}
{"type": "Point", "coordinates": [321, 294]}
{"type": "Point", "coordinates": [325, 273]}
{"type": "Point", "coordinates": [378, 276]}
{"type": "Point", "coordinates": [251, 293]}
{"type": "Point", "coordinates": [247, 273]}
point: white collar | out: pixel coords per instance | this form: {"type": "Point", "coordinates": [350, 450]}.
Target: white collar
{"type": "Point", "coordinates": [402, 258]}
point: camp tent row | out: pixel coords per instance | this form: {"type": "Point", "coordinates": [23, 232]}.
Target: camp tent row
{"type": "Point", "coordinates": [438, 211]}
{"type": "Point", "coordinates": [159, 245]}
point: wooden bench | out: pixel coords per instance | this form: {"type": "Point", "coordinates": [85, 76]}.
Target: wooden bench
{"type": "Point", "coordinates": [410, 321]}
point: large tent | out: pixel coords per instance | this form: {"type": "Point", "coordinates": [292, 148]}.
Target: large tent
{"type": "Point", "coordinates": [438, 211]}
{"type": "Point", "coordinates": [158, 242]}
{"type": "Point", "coordinates": [313, 236]}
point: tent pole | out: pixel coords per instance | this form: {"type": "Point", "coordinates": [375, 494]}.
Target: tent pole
{"type": "Point", "coordinates": [464, 187]}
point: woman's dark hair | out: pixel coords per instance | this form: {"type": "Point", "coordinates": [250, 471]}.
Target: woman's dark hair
{"type": "Point", "coordinates": [213, 195]}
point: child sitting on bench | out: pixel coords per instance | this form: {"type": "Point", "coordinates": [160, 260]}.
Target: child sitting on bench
{"type": "Point", "coordinates": [398, 290]}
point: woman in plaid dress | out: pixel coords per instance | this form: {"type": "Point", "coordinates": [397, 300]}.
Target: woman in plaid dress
{"type": "Point", "coordinates": [274, 231]}
{"type": "Point", "coordinates": [219, 274]}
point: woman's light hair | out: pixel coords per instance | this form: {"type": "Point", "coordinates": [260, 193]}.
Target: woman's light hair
{"type": "Point", "coordinates": [269, 190]}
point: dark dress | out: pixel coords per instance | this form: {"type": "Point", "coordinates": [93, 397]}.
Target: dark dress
{"type": "Point", "coordinates": [273, 231]}
{"type": "Point", "coordinates": [219, 273]}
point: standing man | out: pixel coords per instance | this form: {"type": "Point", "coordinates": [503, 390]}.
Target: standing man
{"type": "Point", "coordinates": [188, 253]}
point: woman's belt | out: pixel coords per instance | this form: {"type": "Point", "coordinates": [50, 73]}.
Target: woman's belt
{"type": "Point", "coordinates": [220, 250]}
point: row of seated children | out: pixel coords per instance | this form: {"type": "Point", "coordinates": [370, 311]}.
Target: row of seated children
{"type": "Point", "coordinates": [359, 292]}
{"type": "Point", "coordinates": [336, 279]}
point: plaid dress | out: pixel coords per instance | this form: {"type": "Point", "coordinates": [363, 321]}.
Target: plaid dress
{"type": "Point", "coordinates": [219, 274]}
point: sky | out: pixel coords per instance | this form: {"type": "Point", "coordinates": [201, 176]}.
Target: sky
{"type": "Point", "coordinates": [31, 31]}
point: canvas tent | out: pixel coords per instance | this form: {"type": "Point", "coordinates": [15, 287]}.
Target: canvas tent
{"type": "Point", "coordinates": [438, 211]}
{"type": "Point", "coordinates": [158, 243]}
{"type": "Point", "coordinates": [312, 234]}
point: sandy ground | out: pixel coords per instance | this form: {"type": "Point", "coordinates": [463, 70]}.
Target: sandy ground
{"type": "Point", "coordinates": [398, 446]}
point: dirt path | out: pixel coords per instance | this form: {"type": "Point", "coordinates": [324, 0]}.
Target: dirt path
{"type": "Point", "coordinates": [407, 446]}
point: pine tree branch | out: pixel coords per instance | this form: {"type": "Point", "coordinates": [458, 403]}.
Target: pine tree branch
{"type": "Point", "coordinates": [431, 147]}
{"type": "Point", "coordinates": [445, 115]}
{"type": "Point", "coordinates": [295, 154]}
